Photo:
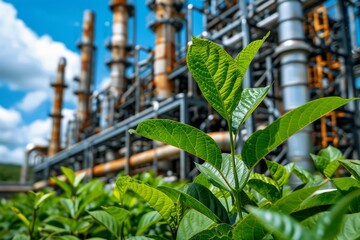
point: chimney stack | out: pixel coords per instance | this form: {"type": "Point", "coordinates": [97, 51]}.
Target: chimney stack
{"type": "Point", "coordinates": [87, 48]}
{"type": "Point", "coordinates": [58, 85]}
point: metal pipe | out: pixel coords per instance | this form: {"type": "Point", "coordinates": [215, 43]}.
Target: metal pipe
{"type": "Point", "coordinates": [118, 45]}
{"type": "Point", "coordinates": [293, 51]}
{"type": "Point", "coordinates": [164, 57]}
{"type": "Point", "coordinates": [162, 153]}
{"type": "Point", "coordinates": [248, 78]}
{"type": "Point", "coordinates": [86, 76]}
{"type": "Point", "coordinates": [58, 85]}
{"type": "Point", "coordinates": [25, 167]}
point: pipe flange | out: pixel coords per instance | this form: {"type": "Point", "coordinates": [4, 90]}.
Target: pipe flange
{"type": "Point", "coordinates": [292, 45]}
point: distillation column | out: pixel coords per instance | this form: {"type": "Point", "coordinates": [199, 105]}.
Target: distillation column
{"type": "Point", "coordinates": [164, 27]}
{"type": "Point", "coordinates": [293, 52]}
{"type": "Point", "coordinates": [118, 45]}
{"type": "Point", "coordinates": [58, 85]}
{"type": "Point", "coordinates": [86, 75]}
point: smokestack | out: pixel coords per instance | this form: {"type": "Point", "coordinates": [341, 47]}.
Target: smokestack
{"type": "Point", "coordinates": [165, 26]}
{"type": "Point", "coordinates": [58, 86]}
{"type": "Point", "coordinates": [118, 45]}
{"type": "Point", "coordinates": [87, 48]}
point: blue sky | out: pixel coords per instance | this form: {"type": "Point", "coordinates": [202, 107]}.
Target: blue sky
{"type": "Point", "coordinates": [33, 36]}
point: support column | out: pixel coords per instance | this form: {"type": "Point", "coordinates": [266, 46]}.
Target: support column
{"type": "Point", "coordinates": [293, 52]}
{"type": "Point", "coordinates": [164, 26]}
{"type": "Point", "coordinates": [87, 48]}
{"type": "Point", "coordinates": [58, 85]}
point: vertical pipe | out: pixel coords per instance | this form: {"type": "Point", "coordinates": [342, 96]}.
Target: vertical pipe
{"type": "Point", "coordinates": [164, 58]}
{"type": "Point", "coordinates": [118, 45]}
{"type": "Point", "coordinates": [58, 85]}
{"type": "Point", "coordinates": [293, 52]}
{"type": "Point", "coordinates": [86, 76]}
{"type": "Point", "coordinates": [248, 78]}
{"type": "Point", "coordinates": [350, 79]}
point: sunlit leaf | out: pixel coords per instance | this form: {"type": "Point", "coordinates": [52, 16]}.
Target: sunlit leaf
{"type": "Point", "coordinates": [262, 142]}
{"type": "Point", "coordinates": [278, 172]}
{"type": "Point", "coordinates": [283, 226]}
{"type": "Point", "coordinates": [265, 186]}
{"type": "Point", "coordinates": [217, 232]}
{"type": "Point", "coordinates": [108, 221]}
{"type": "Point", "coordinates": [155, 198]}
{"type": "Point", "coordinates": [183, 136]}
{"type": "Point", "coordinates": [193, 223]}
{"type": "Point", "coordinates": [330, 224]}
{"type": "Point", "coordinates": [250, 100]}
{"type": "Point", "coordinates": [353, 166]}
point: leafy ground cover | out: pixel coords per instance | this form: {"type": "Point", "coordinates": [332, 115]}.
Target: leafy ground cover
{"type": "Point", "coordinates": [228, 200]}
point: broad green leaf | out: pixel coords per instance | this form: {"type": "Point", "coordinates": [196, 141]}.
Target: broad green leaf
{"type": "Point", "coordinates": [206, 197]}
{"type": "Point", "coordinates": [330, 224]}
{"type": "Point", "coordinates": [320, 162]}
{"type": "Point", "coordinates": [304, 175]}
{"type": "Point", "coordinates": [250, 227]}
{"type": "Point", "coordinates": [293, 201]}
{"type": "Point", "coordinates": [262, 142]}
{"type": "Point", "coordinates": [63, 185]}
{"type": "Point", "coordinates": [328, 197]}
{"type": "Point", "coordinates": [213, 175]}
{"type": "Point", "coordinates": [351, 227]}
{"type": "Point", "coordinates": [265, 186]}
{"type": "Point", "coordinates": [217, 232]}
{"type": "Point", "coordinates": [155, 198]}
{"type": "Point", "coordinates": [216, 74]}
{"type": "Point", "coordinates": [346, 184]}
{"type": "Point", "coordinates": [331, 168]}
{"type": "Point", "coordinates": [70, 174]}
{"type": "Point", "coordinates": [66, 237]}
{"type": "Point", "coordinates": [147, 220]}
{"type": "Point", "coordinates": [21, 237]}
{"type": "Point", "coordinates": [244, 58]}
{"type": "Point", "coordinates": [193, 223]}
{"type": "Point", "coordinates": [278, 172]}
{"type": "Point", "coordinates": [318, 203]}
{"type": "Point", "coordinates": [183, 136]}
{"type": "Point", "coordinates": [250, 100]}
{"type": "Point", "coordinates": [42, 199]}
{"type": "Point", "coordinates": [353, 166]}
{"type": "Point", "coordinates": [326, 160]}
{"type": "Point", "coordinates": [217, 179]}
{"type": "Point", "coordinates": [21, 216]}
{"type": "Point", "coordinates": [196, 204]}
{"type": "Point", "coordinates": [283, 226]}
{"type": "Point", "coordinates": [79, 178]}
{"type": "Point", "coordinates": [331, 153]}
{"type": "Point", "coordinates": [108, 221]}
{"type": "Point", "coordinates": [120, 214]}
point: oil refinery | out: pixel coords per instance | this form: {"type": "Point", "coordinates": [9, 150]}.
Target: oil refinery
{"type": "Point", "coordinates": [312, 52]}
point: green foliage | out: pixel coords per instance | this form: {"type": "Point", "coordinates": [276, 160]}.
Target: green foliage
{"type": "Point", "coordinates": [9, 172]}
{"type": "Point", "coordinates": [227, 200]}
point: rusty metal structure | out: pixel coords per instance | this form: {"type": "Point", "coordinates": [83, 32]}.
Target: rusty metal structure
{"type": "Point", "coordinates": [58, 85]}
{"type": "Point", "coordinates": [313, 51]}
{"type": "Point", "coordinates": [86, 46]}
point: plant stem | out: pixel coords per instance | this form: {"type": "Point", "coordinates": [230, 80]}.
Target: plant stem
{"type": "Point", "coordinates": [232, 148]}
{"type": "Point", "coordinates": [34, 214]}
{"type": "Point", "coordinates": [233, 164]}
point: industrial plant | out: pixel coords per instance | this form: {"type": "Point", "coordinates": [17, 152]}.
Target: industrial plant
{"type": "Point", "coordinates": [312, 52]}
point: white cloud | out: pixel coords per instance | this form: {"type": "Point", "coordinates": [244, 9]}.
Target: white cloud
{"type": "Point", "coordinates": [13, 156]}
{"type": "Point", "coordinates": [29, 61]}
{"type": "Point", "coordinates": [38, 132]}
{"type": "Point", "coordinates": [32, 100]}
{"type": "Point", "coordinates": [9, 118]}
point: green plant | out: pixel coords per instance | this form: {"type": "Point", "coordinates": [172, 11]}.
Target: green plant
{"type": "Point", "coordinates": [219, 200]}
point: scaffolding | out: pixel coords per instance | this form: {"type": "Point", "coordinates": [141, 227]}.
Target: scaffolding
{"type": "Point", "coordinates": [308, 55]}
